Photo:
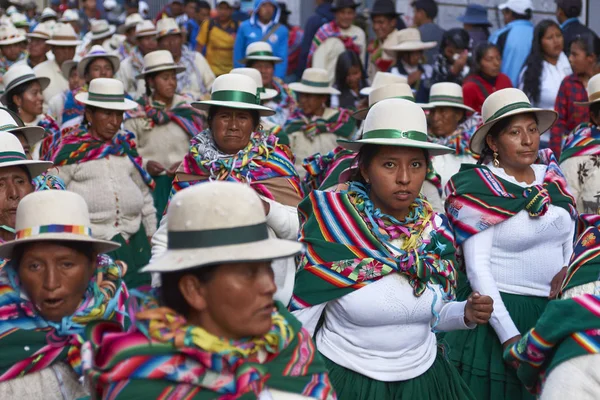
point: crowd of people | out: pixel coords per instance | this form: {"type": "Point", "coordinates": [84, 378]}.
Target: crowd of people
{"type": "Point", "coordinates": [212, 204]}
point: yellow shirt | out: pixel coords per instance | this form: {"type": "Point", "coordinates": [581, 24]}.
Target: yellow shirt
{"type": "Point", "coordinates": [219, 45]}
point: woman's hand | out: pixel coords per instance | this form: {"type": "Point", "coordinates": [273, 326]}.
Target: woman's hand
{"type": "Point", "coordinates": [154, 168]}
{"type": "Point", "coordinates": [173, 169]}
{"type": "Point", "coordinates": [413, 77]}
{"type": "Point", "coordinates": [509, 343]}
{"type": "Point", "coordinates": [556, 283]}
{"type": "Point", "coordinates": [459, 63]}
{"type": "Point", "coordinates": [478, 309]}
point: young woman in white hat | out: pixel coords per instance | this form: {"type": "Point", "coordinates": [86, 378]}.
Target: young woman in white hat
{"type": "Point", "coordinates": [55, 282]}
{"type": "Point", "coordinates": [10, 47]}
{"type": "Point", "coordinates": [233, 148]}
{"type": "Point", "coordinates": [514, 218]}
{"type": "Point", "coordinates": [580, 154]}
{"type": "Point", "coordinates": [100, 161]}
{"type": "Point", "coordinates": [380, 268]}
{"type": "Point", "coordinates": [164, 125]}
{"type": "Point", "coordinates": [313, 127]}
{"type": "Point", "coordinates": [216, 313]}
{"type": "Point", "coordinates": [37, 47]}
{"type": "Point", "coordinates": [452, 124]}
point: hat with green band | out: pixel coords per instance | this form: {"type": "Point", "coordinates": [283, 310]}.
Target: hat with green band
{"type": "Point", "coordinates": [393, 91]}
{"type": "Point", "coordinates": [503, 104]}
{"type": "Point", "coordinates": [265, 93]}
{"type": "Point", "coordinates": [260, 51]}
{"type": "Point", "coordinates": [314, 81]}
{"type": "Point", "coordinates": [106, 93]}
{"type": "Point", "coordinates": [231, 229]}
{"type": "Point", "coordinates": [11, 150]}
{"type": "Point", "coordinates": [446, 94]}
{"type": "Point", "coordinates": [234, 91]}
{"type": "Point", "coordinates": [382, 79]}
{"type": "Point", "coordinates": [396, 122]}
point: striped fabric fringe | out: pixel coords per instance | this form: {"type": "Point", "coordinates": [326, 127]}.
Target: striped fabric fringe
{"type": "Point", "coordinates": [342, 124]}
{"type": "Point", "coordinates": [583, 141]}
{"type": "Point", "coordinates": [191, 120]}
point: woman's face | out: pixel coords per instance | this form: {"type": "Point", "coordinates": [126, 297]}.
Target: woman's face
{"type": "Point", "coordinates": [236, 302]}
{"type": "Point", "coordinates": [32, 100]}
{"type": "Point", "coordinates": [147, 44]}
{"type": "Point", "coordinates": [75, 81]}
{"type": "Point", "coordinates": [383, 26]}
{"type": "Point", "coordinates": [232, 129]}
{"type": "Point", "coordinates": [580, 61]}
{"type": "Point", "coordinates": [104, 124]}
{"type": "Point", "coordinates": [396, 175]}
{"type": "Point", "coordinates": [99, 68]}
{"type": "Point", "coordinates": [312, 104]}
{"type": "Point", "coordinates": [14, 185]}
{"type": "Point", "coordinates": [552, 42]}
{"type": "Point", "coordinates": [266, 69]}
{"type": "Point", "coordinates": [11, 51]}
{"type": "Point", "coordinates": [518, 144]}
{"type": "Point", "coordinates": [443, 121]}
{"type": "Point", "coordinates": [490, 63]}
{"type": "Point", "coordinates": [171, 43]}
{"type": "Point", "coordinates": [63, 53]}
{"type": "Point", "coordinates": [413, 58]}
{"type": "Point", "coordinates": [37, 47]}
{"type": "Point", "coordinates": [164, 84]}
{"type": "Point", "coordinates": [354, 76]}
{"type": "Point", "coordinates": [55, 277]}
{"type": "Point", "coordinates": [224, 11]}
{"type": "Point", "coordinates": [24, 143]}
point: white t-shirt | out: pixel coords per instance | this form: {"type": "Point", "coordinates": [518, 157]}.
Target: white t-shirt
{"type": "Point", "coordinates": [552, 76]}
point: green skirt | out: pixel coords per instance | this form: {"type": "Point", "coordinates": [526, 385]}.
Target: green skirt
{"type": "Point", "coordinates": [477, 353]}
{"type": "Point", "coordinates": [161, 193]}
{"type": "Point", "coordinates": [136, 253]}
{"type": "Point", "coordinates": [440, 381]}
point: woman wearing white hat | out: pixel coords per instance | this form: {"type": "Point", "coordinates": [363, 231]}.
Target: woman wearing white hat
{"type": "Point", "coordinates": [216, 311]}
{"type": "Point", "coordinates": [10, 47]}
{"type": "Point", "coordinates": [164, 125]}
{"type": "Point", "coordinates": [380, 263]}
{"type": "Point", "coordinates": [56, 283]}
{"type": "Point", "coordinates": [410, 58]}
{"type": "Point", "coordinates": [101, 162]}
{"type": "Point", "coordinates": [579, 158]}
{"type": "Point", "coordinates": [382, 79]}
{"type": "Point", "coordinates": [259, 55]}
{"type": "Point", "coordinates": [233, 148]}
{"type": "Point", "coordinates": [99, 35]}
{"type": "Point", "coordinates": [128, 29]}
{"type": "Point", "coordinates": [313, 127]}
{"type": "Point", "coordinates": [451, 123]}
{"type": "Point", "coordinates": [515, 220]}
{"type": "Point", "coordinates": [37, 47]}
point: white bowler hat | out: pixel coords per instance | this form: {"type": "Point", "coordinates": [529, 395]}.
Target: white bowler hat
{"type": "Point", "coordinates": [167, 26]}
{"type": "Point", "coordinates": [96, 52]}
{"type": "Point", "coordinates": [260, 51]}
{"type": "Point", "coordinates": [593, 91]}
{"type": "Point", "coordinates": [518, 6]}
{"type": "Point", "coordinates": [54, 215]}
{"type": "Point", "coordinates": [232, 228]}
{"type": "Point", "coordinates": [10, 35]}
{"type": "Point", "coordinates": [265, 93]}
{"type": "Point", "coordinates": [382, 79]}
{"type": "Point", "coordinates": [408, 39]}
{"type": "Point", "coordinates": [64, 35]}
{"type": "Point", "coordinates": [48, 13]}
{"type": "Point", "coordinates": [69, 15]}
{"type": "Point", "coordinates": [101, 29]}
{"type": "Point", "coordinates": [392, 91]}
{"type": "Point", "coordinates": [41, 31]}
{"type": "Point", "coordinates": [11, 150]}
{"type": "Point", "coordinates": [106, 93]}
{"type": "Point", "coordinates": [67, 67]}
{"type": "Point", "coordinates": [504, 104]}
{"type": "Point", "coordinates": [314, 81]}
{"type": "Point", "coordinates": [19, 20]}
{"type": "Point", "coordinates": [396, 122]}
{"type": "Point", "coordinates": [159, 60]}
{"type": "Point", "coordinates": [234, 91]}
{"type": "Point", "coordinates": [446, 94]}
{"type": "Point", "coordinates": [19, 74]}
{"type": "Point", "coordinates": [130, 22]}
{"type": "Point", "coordinates": [145, 28]}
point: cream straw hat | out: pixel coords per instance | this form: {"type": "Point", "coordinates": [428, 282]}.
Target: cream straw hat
{"type": "Point", "coordinates": [11, 150]}
{"type": "Point", "coordinates": [10, 35]}
{"type": "Point", "coordinates": [167, 26]}
{"type": "Point", "coordinates": [67, 67]}
{"type": "Point", "coordinates": [108, 94]}
{"type": "Point", "coordinates": [19, 74]}
{"type": "Point", "coordinates": [503, 104]}
{"type": "Point", "coordinates": [593, 90]}
{"type": "Point", "coordinates": [130, 22]}
{"type": "Point", "coordinates": [446, 94]}
{"type": "Point", "coordinates": [41, 31]}
{"type": "Point", "coordinates": [314, 81]}
{"type": "Point", "coordinates": [19, 20]}
{"type": "Point", "coordinates": [408, 39]}
{"type": "Point", "coordinates": [145, 28]}
{"type": "Point", "coordinates": [64, 35]}
{"type": "Point", "coordinates": [159, 60]}
{"type": "Point", "coordinates": [396, 122]}
{"type": "Point", "coordinates": [48, 13]}
{"type": "Point", "coordinates": [393, 91]}
{"type": "Point", "coordinates": [54, 215]}
{"type": "Point", "coordinates": [265, 93]}
{"type": "Point", "coordinates": [260, 51]}
{"type": "Point", "coordinates": [382, 79]}
{"type": "Point", "coordinates": [95, 52]}
{"type": "Point", "coordinates": [101, 29]}
{"type": "Point", "coordinates": [232, 228]}
{"type": "Point", "coordinates": [69, 15]}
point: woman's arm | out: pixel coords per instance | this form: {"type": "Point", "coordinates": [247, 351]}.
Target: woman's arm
{"type": "Point", "coordinates": [452, 317]}
{"type": "Point", "coordinates": [283, 220]}
{"type": "Point", "coordinates": [148, 210]}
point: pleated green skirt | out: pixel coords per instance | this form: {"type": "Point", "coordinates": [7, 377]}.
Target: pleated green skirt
{"type": "Point", "coordinates": [136, 253]}
{"type": "Point", "coordinates": [477, 353]}
{"type": "Point", "coordinates": [440, 382]}
{"type": "Point", "coordinates": [161, 193]}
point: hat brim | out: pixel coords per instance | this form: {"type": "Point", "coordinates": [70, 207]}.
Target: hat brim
{"type": "Point", "coordinates": [433, 149]}
{"type": "Point", "coordinates": [546, 119]}
{"type": "Point", "coordinates": [469, 21]}
{"type": "Point", "coordinates": [44, 83]}
{"type": "Point", "coordinates": [366, 90]}
{"type": "Point", "coordinates": [361, 114]}
{"type": "Point", "coordinates": [302, 88]}
{"type": "Point", "coordinates": [34, 35]}
{"type": "Point", "coordinates": [162, 35]}
{"type": "Point", "coordinates": [13, 40]}
{"type": "Point", "coordinates": [268, 94]}
{"type": "Point", "coordinates": [124, 28]}
{"type": "Point", "coordinates": [34, 167]}
{"type": "Point", "coordinates": [264, 250]}
{"type": "Point", "coordinates": [206, 104]}
{"type": "Point", "coordinates": [275, 60]}
{"type": "Point", "coordinates": [33, 134]}
{"type": "Point", "coordinates": [111, 31]}
{"type": "Point", "coordinates": [411, 46]}
{"type": "Point", "coordinates": [146, 33]}
{"type": "Point", "coordinates": [586, 103]}
{"type": "Point", "coordinates": [177, 69]}
{"type": "Point", "coordinates": [100, 246]}
{"type": "Point", "coordinates": [107, 105]}
{"type": "Point", "coordinates": [67, 67]}
{"type": "Point", "coordinates": [435, 104]}
{"type": "Point", "coordinates": [64, 43]}
{"type": "Point", "coordinates": [334, 9]}
{"type": "Point", "coordinates": [85, 61]}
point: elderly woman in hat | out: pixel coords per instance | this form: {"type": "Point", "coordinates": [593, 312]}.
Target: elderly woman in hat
{"type": "Point", "coordinates": [579, 158]}
{"type": "Point", "coordinates": [314, 127]}
{"type": "Point", "coordinates": [380, 261]}
{"type": "Point", "coordinates": [56, 282]}
{"type": "Point", "coordinates": [37, 47]}
{"type": "Point", "coordinates": [452, 124]}
{"type": "Point", "coordinates": [514, 218]}
{"type": "Point", "coordinates": [100, 161]}
{"type": "Point", "coordinates": [214, 323]}
{"type": "Point", "coordinates": [10, 47]}
{"type": "Point", "coordinates": [233, 148]}
{"type": "Point", "coordinates": [165, 125]}
{"type": "Point", "coordinates": [259, 55]}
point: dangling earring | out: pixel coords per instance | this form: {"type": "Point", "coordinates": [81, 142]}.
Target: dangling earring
{"type": "Point", "coordinates": [260, 127]}
{"type": "Point", "coordinates": [496, 162]}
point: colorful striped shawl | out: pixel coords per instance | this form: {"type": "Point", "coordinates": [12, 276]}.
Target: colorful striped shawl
{"type": "Point", "coordinates": [348, 246]}
{"type": "Point", "coordinates": [341, 123]}
{"type": "Point", "coordinates": [30, 343]}
{"type": "Point", "coordinates": [73, 108]}
{"type": "Point", "coordinates": [285, 96]}
{"type": "Point", "coordinates": [327, 31]}
{"type": "Point", "coordinates": [153, 360]}
{"type": "Point", "coordinates": [191, 120]}
{"type": "Point", "coordinates": [583, 141]}
{"type": "Point", "coordinates": [459, 140]}
{"type": "Point", "coordinates": [376, 55]}
{"type": "Point", "coordinates": [584, 266]}
{"type": "Point", "coordinates": [477, 199]}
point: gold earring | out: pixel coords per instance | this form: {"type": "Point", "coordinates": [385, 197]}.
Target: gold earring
{"type": "Point", "coordinates": [496, 162]}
